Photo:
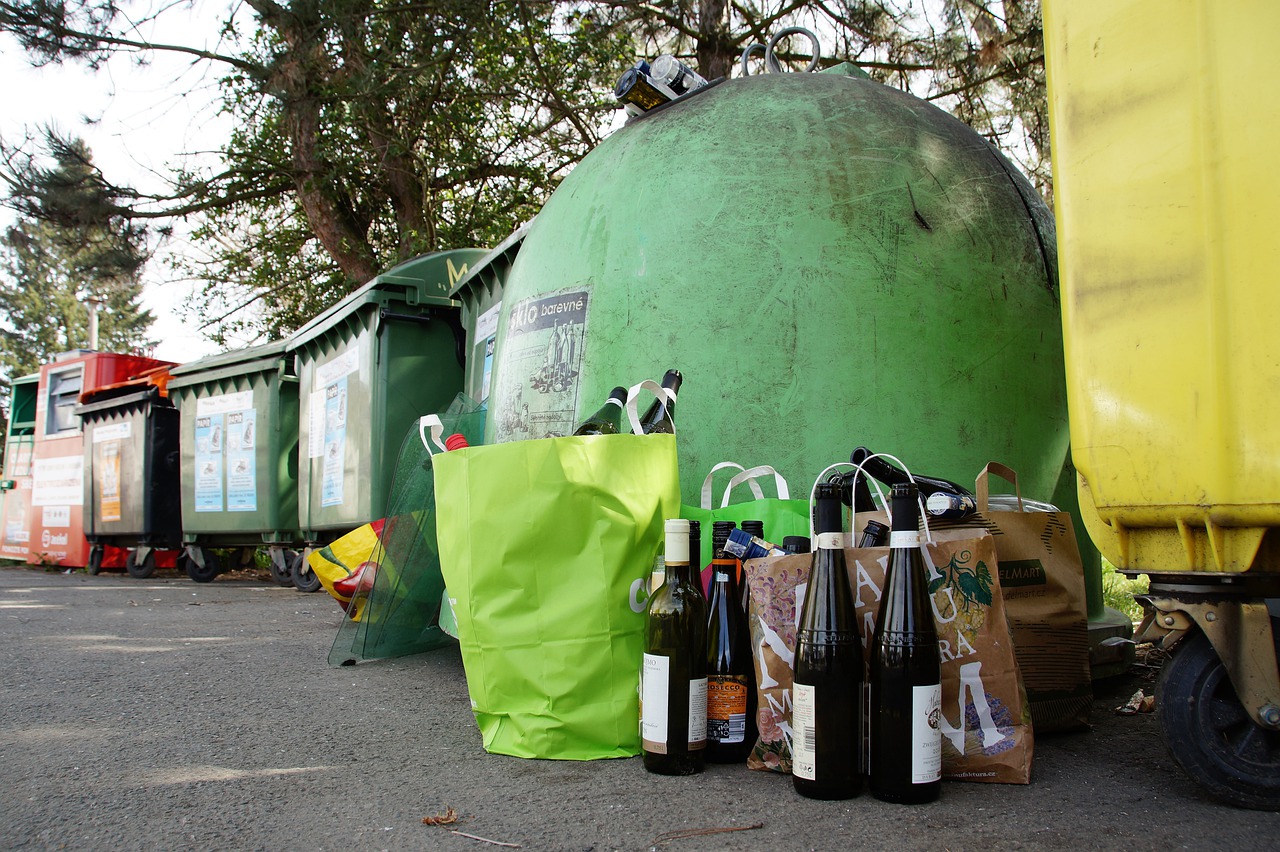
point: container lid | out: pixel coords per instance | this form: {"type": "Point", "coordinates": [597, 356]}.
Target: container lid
{"type": "Point", "coordinates": [502, 256]}
{"type": "Point", "coordinates": [422, 281]}
{"type": "Point", "coordinates": [251, 359]}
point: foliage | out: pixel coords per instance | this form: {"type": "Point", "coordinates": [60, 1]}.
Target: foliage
{"type": "Point", "coordinates": [1118, 591]}
{"type": "Point", "coordinates": [368, 132]}
{"type": "Point", "coordinates": [371, 131]}
{"type": "Point", "coordinates": [984, 62]}
{"type": "Point", "coordinates": [72, 246]}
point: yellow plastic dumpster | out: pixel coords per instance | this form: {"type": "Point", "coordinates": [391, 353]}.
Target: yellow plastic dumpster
{"type": "Point", "coordinates": [1167, 196]}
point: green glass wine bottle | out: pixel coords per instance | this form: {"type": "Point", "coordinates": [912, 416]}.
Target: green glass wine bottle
{"type": "Point", "coordinates": [608, 419]}
{"type": "Point", "coordinates": [673, 678]}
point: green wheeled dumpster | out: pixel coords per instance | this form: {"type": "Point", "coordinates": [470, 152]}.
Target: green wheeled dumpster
{"type": "Point", "coordinates": [131, 470]}
{"type": "Point", "coordinates": [480, 294]}
{"type": "Point", "coordinates": [367, 369]}
{"type": "Point", "coordinates": [239, 419]}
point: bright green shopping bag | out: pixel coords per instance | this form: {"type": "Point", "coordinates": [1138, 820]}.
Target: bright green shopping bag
{"type": "Point", "coordinates": [782, 516]}
{"type": "Point", "coordinates": [546, 548]}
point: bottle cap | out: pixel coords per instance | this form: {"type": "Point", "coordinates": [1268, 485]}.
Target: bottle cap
{"type": "Point", "coordinates": [456, 441]}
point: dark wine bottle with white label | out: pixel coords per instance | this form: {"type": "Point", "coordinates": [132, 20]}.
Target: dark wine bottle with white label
{"type": "Point", "coordinates": [731, 679]}
{"type": "Point", "coordinates": [827, 691]}
{"type": "Point", "coordinates": [906, 670]}
{"type": "Point", "coordinates": [673, 677]}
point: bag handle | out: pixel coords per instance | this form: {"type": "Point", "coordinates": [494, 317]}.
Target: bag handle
{"type": "Point", "coordinates": [982, 486]}
{"type": "Point", "coordinates": [705, 502]}
{"type": "Point", "coordinates": [633, 402]}
{"type": "Point", "coordinates": [432, 422]}
{"type": "Point", "coordinates": [750, 476]}
{"type": "Point", "coordinates": [888, 509]}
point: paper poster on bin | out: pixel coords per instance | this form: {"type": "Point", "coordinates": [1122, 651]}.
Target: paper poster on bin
{"type": "Point", "coordinates": [537, 391]}
{"type": "Point", "coordinates": [208, 463]}
{"type": "Point", "coordinates": [106, 475]}
{"type": "Point", "coordinates": [335, 443]}
{"type": "Point", "coordinates": [242, 481]}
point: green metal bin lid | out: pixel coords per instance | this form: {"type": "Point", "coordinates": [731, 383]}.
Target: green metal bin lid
{"type": "Point", "coordinates": [507, 249]}
{"type": "Point", "coordinates": [263, 358]}
{"type": "Point", "coordinates": [422, 281]}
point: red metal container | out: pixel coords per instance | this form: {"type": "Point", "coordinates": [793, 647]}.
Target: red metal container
{"type": "Point", "coordinates": [55, 518]}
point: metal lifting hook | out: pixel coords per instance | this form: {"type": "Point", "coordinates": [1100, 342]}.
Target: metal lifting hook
{"type": "Point", "coordinates": [771, 63]}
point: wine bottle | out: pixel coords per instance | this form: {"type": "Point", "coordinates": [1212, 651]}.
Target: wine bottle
{"type": "Point", "coordinates": [962, 507]}
{"type": "Point", "coordinates": [607, 420]}
{"type": "Point", "coordinates": [660, 416]}
{"type": "Point", "coordinates": [874, 534]}
{"type": "Point", "coordinates": [731, 694]}
{"type": "Point", "coordinates": [794, 544]}
{"type": "Point", "coordinates": [827, 692]}
{"type": "Point", "coordinates": [673, 680]}
{"type": "Point", "coordinates": [906, 670]}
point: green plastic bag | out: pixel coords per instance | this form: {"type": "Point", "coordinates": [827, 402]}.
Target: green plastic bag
{"type": "Point", "coordinates": [547, 548]}
{"type": "Point", "coordinates": [782, 516]}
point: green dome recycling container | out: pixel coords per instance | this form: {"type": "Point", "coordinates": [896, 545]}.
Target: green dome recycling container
{"type": "Point", "coordinates": [829, 261]}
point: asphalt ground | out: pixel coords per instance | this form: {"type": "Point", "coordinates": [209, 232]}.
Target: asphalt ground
{"type": "Point", "coordinates": [164, 714]}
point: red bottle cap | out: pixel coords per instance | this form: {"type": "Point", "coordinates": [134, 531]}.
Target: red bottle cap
{"type": "Point", "coordinates": [456, 441]}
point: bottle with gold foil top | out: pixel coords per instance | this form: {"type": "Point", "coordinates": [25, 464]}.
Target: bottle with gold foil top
{"type": "Point", "coordinates": [673, 677]}
{"type": "Point", "coordinates": [906, 670]}
{"type": "Point", "coordinates": [731, 694]}
{"type": "Point", "coordinates": [827, 693]}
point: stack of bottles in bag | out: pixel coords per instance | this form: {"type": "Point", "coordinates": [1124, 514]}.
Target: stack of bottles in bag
{"type": "Point", "coordinates": [850, 720]}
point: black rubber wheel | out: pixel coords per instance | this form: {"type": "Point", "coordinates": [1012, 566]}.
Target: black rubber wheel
{"type": "Point", "coordinates": [304, 579]}
{"type": "Point", "coordinates": [95, 560]}
{"type": "Point", "coordinates": [206, 574]}
{"type": "Point", "coordinates": [1210, 735]}
{"type": "Point", "coordinates": [283, 575]}
{"type": "Point", "coordinates": [140, 570]}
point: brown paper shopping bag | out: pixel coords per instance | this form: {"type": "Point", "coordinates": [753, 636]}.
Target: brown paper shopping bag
{"type": "Point", "coordinates": [1043, 582]}
{"type": "Point", "coordinates": [986, 726]}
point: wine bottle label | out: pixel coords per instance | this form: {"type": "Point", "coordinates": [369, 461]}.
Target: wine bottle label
{"type": "Point", "coordinates": [654, 688]}
{"type": "Point", "coordinates": [804, 735]}
{"type": "Point", "coordinates": [904, 538]}
{"type": "Point", "coordinates": [698, 714]}
{"type": "Point", "coordinates": [832, 541]}
{"type": "Point", "coordinates": [926, 741]}
{"type": "Point", "coordinates": [726, 708]}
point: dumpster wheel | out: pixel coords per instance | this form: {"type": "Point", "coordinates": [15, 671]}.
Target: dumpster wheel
{"type": "Point", "coordinates": [282, 573]}
{"type": "Point", "coordinates": [212, 567]}
{"type": "Point", "coordinates": [95, 560]}
{"type": "Point", "coordinates": [304, 579]}
{"type": "Point", "coordinates": [140, 570]}
{"type": "Point", "coordinates": [1209, 734]}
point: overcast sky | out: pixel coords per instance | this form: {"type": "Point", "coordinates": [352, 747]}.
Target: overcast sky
{"type": "Point", "coordinates": [143, 118]}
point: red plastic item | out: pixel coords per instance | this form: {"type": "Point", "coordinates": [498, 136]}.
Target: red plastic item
{"type": "Point", "coordinates": [456, 441]}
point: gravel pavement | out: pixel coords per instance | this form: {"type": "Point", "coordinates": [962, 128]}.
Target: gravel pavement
{"type": "Point", "coordinates": [163, 714]}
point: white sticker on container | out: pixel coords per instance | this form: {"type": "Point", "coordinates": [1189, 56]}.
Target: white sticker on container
{"type": "Point", "coordinates": [114, 432]}
{"type": "Point", "coordinates": [336, 368]}
{"type": "Point", "coordinates": [487, 322]}
{"type": "Point", "coordinates": [56, 516]}
{"type": "Point", "coordinates": [223, 403]}
{"type": "Point", "coordinates": [58, 481]}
